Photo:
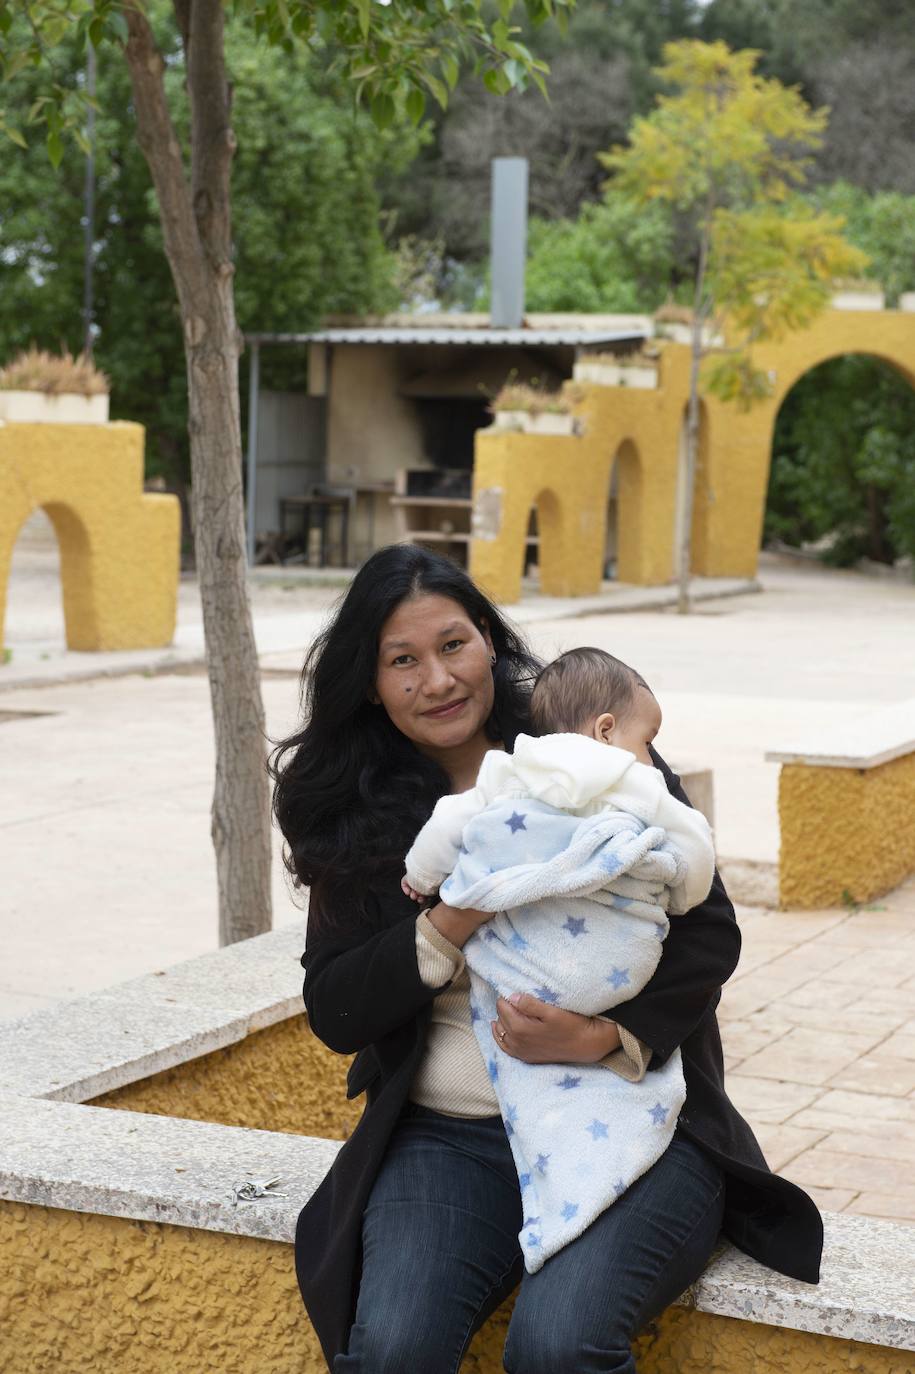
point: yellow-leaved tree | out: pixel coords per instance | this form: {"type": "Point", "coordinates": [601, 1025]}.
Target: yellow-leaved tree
{"type": "Point", "coordinates": [728, 150]}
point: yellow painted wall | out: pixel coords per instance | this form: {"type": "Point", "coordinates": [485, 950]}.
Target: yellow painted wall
{"type": "Point", "coordinates": [733, 471]}
{"type": "Point", "coordinates": [845, 832]}
{"type": "Point", "coordinates": [119, 547]}
{"type": "Point", "coordinates": [278, 1079]}
{"type": "Point", "coordinates": [86, 1294]}
{"type": "Point", "coordinates": [571, 513]}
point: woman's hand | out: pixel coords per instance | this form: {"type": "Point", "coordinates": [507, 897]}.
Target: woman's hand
{"type": "Point", "coordinates": [537, 1033]}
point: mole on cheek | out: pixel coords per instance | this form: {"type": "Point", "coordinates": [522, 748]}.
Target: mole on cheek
{"type": "Point", "coordinates": [408, 689]}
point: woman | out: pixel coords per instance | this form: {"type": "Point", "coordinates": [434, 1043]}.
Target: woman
{"type": "Point", "coordinates": [411, 1240]}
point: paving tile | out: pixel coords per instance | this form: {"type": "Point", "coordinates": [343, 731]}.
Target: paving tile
{"type": "Point", "coordinates": [838, 1110]}
{"type": "Point", "coordinates": [767, 1100]}
{"type": "Point", "coordinates": [877, 1072]}
{"type": "Point", "coordinates": [818, 993]}
{"type": "Point", "coordinates": [893, 1206]}
{"type": "Point", "coordinates": [875, 928]}
{"type": "Point", "coordinates": [880, 1140]}
{"type": "Point", "coordinates": [901, 1000]}
{"type": "Point", "coordinates": [756, 954]}
{"type": "Point", "coordinates": [741, 1039]}
{"type": "Point", "coordinates": [832, 1199]}
{"type": "Point", "coordinates": [789, 1013]}
{"type": "Point", "coordinates": [780, 1144]}
{"type": "Point", "coordinates": [833, 1169]}
{"type": "Point", "coordinates": [739, 1000]}
{"type": "Point", "coordinates": [900, 1045]}
{"type": "Point", "coordinates": [870, 968]}
{"type": "Point", "coordinates": [792, 927]}
{"type": "Point", "coordinates": [809, 1056]}
{"type": "Point", "coordinates": [804, 962]}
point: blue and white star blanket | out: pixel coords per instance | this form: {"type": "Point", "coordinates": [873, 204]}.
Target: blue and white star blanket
{"type": "Point", "coordinates": [579, 919]}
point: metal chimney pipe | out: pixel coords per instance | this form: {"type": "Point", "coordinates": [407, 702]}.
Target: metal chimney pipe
{"type": "Point", "coordinates": [508, 241]}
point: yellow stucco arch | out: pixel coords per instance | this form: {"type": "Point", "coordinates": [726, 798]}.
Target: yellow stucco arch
{"type": "Point", "coordinates": [631, 487]}
{"type": "Point", "coordinates": [565, 476]}
{"type": "Point", "coordinates": [119, 547]}
{"type": "Point", "coordinates": [731, 480]}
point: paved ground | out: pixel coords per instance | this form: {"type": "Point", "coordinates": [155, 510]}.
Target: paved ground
{"type": "Point", "coordinates": [107, 869]}
{"type": "Point", "coordinates": [819, 1033]}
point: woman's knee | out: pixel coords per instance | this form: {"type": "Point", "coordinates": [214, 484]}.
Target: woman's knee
{"type": "Point", "coordinates": [545, 1348]}
{"type": "Point", "coordinates": [391, 1347]}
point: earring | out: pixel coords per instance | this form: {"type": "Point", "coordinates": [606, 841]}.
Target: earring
{"type": "Point", "coordinates": [492, 658]}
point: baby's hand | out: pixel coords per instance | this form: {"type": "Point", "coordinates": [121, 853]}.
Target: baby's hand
{"type": "Point", "coordinates": [411, 892]}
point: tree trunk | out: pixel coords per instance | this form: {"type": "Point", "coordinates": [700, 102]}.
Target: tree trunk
{"type": "Point", "coordinates": [240, 823]}
{"type": "Point", "coordinates": [692, 419]}
{"type": "Point", "coordinates": [196, 223]}
{"type": "Point", "coordinates": [692, 461]}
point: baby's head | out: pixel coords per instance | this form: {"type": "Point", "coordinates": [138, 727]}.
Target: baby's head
{"type": "Point", "coordinates": [589, 692]}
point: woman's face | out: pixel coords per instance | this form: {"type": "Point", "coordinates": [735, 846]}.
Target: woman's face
{"type": "Point", "coordinates": [434, 675]}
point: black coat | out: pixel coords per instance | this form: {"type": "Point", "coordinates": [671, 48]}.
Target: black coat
{"type": "Point", "coordinates": [363, 994]}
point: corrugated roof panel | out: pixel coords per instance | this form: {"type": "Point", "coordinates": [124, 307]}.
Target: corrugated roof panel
{"type": "Point", "coordinates": [512, 338]}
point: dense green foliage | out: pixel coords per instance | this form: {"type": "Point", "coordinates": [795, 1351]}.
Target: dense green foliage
{"type": "Point", "coordinates": [614, 257]}
{"type": "Point", "coordinates": [306, 221]}
{"type": "Point", "coordinates": [883, 225]}
{"type": "Point", "coordinates": [843, 467]}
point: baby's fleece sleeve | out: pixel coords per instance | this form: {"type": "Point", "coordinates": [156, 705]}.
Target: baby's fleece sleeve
{"type": "Point", "coordinates": [434, 852]}
{"type": "Point", "coordinates": [689, 831]}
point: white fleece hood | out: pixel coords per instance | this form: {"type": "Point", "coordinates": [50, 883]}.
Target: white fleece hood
{"type": "Point", "coordinates": [571, 772]}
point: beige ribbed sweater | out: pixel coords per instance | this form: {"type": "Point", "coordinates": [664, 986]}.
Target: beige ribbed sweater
{"type": "Point", "coordinates": [452, 1076]}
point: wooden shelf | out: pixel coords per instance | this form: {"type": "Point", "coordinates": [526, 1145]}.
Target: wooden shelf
{"type": "Point", "coordinates": [436, 537]}
{"type": "Point", "coordinates": [455, 537]}
{"type": "Point", "coordinates": [456, 502]}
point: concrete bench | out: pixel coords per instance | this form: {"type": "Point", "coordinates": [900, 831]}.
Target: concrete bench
{"type": "Point", "coordinates": [128, 1243]}
{"type": "Point", "coordinates": [699, 786]}
{"type": "Point", "coordinates": [846, 806]}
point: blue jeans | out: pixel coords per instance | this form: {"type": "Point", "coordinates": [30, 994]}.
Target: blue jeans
{"type": "Point", "coordinates": [441, 1252]}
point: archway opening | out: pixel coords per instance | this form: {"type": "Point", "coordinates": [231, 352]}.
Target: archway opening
{"type": "Point", "coordinates": [530, 556]}
{"type": "Point", "coordinates": [623, 515]}
{"type": "Point", "coordinates": [842, 476]}
{"type": "Point", "coordinates": [542, 523]}
{"type": "Point", "coordinates": [34, 623]}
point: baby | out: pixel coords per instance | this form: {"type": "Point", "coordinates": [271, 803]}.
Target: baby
{"type": "Point", "coordinates": [577, 848]}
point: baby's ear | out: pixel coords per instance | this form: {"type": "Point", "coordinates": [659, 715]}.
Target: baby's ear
{"type": "Point", "coordinates": [603, 728]}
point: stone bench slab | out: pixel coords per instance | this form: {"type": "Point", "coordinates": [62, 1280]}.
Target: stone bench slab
{"type": "Point", "coordinates": [861, 740]}
{"type": "Point", "coordinates": [90, 1045]}
{"type": "Point", "coordinates": [155, 1168]}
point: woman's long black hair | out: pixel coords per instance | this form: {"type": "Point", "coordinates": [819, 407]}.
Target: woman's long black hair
{"type": "Point", "coordinates": [351, 790]}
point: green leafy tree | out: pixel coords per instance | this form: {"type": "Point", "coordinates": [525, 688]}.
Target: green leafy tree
{"type": "Point", "coordinates": [600, 76]}
{"type": "Point", "coordinates": [728, 150]}
{"type": "Point", "coordinates": [882, 225]}
{"type": "Point", "coordinates": [855, 56]}
{"type": "Point", "coordinates": [305, 213]}
{"type": "Point", "coordinates": [392, 56]}
{"type": "Point", "coordinates": [615, 256]}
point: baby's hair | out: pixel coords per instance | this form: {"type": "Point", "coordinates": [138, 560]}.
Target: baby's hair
{"type": "Point", "coordinates": [579, 686]}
